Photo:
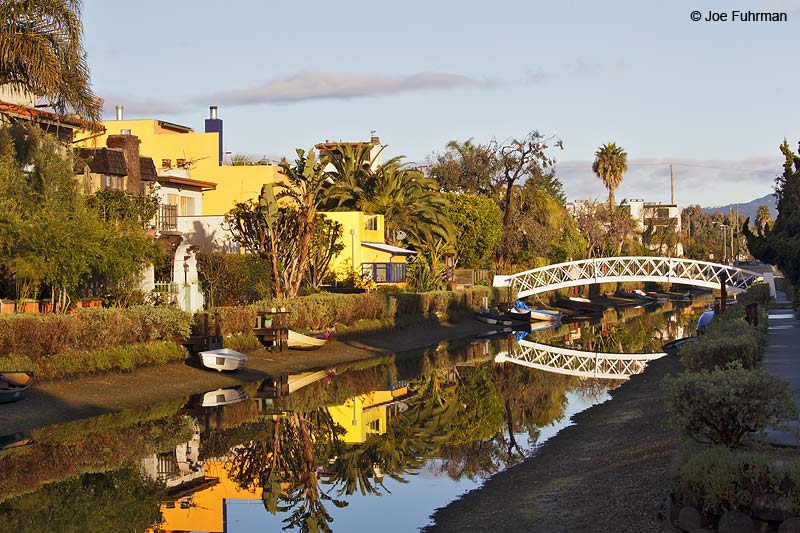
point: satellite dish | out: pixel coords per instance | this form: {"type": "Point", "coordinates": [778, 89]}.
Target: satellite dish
{"type": "Point", "coordinates": [400, 235]}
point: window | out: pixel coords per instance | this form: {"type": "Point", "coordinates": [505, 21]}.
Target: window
{"type": "Point", "coordinates": [180, 163]}
{"type": "Point", "coordinates": [187, 206]}
{"type": "Point", "coordinates": [166, 163]}
{"type": "Point", "coordinates": [371, 223]}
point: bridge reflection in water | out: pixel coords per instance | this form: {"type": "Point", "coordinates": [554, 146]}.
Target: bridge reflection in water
{"type": "Point", "coordinates": [583, 364]}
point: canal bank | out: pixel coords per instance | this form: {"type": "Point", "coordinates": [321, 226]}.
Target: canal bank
{"type": "Point", "coordinates": [65, 400]}
{"type": "Point", "coordinates": [605, 473]}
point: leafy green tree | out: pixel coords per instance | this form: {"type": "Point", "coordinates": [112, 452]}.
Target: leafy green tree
{"type": "Point", "coordinates": [254, 225]}
{"type": "Point", "coordinates": [477, 221]}
{"type": "Point", "coordinates": [325, 245]}
{"type": "Point", "coordinates": [499, 170]}
{"type": "Point", "coordinates": [780, 245]}
{"type": "Point", "coordinates": [41, 53]}
{"type": "Point", "coordinates": [763, 218]}
{"type": "Point", "coordinates": [50, 238]}
{"type": "Point", "coordinates": [466, 167]}
{"type": "Point", "coordinates": [610, 163]}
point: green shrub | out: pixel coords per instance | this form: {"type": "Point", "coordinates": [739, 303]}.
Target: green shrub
{"type": "Point", "coordinates": [241, 341]}
{"type": "Point", "coordinates": [723, 406]}
{"type": "Point", "coordinates": [37, 336]}
{"type": "Point", "coordinates": [317, 311]}
{"type": "Point", "coordinates": [730, 342]}
{"type": "Point", "coordinates": [718, 478]}
{"type": "Point", "coordinates": [73, 362]}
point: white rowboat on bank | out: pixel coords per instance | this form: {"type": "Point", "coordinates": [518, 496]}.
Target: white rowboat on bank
{"type": "Point", "coordinates": [223, 359]}
{"type": "Point", "coordinates": [298, 341]}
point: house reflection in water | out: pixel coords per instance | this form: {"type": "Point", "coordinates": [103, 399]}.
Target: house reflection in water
{"type": "Point", "coordinates": [368, 413]}
{"type": "Point", "coordinates": [199, 492]}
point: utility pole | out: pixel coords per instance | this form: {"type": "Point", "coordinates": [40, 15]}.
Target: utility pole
{"type": "Point", "coordinates": [671, 185]}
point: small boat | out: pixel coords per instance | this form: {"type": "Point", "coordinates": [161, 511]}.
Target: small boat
{"type": "Point", "coordinates": [220, 397]}
{"type": "Point", "coordinates": [580, 300]}
{"type": "Point", "coordinates": [494, 334]}
{"type": "Point", "coordinates": [704, 321]}
{"type": "Point", "coordinates": [223, 359]}
{"type": "Point", "coordinates": [298, 341]}
{"type": "Point", "coordinates": [491, 318]}
{"type": "Point", "coordinates": [522, 313]}
{"type": "Point", "coordinates": [16, 440]}
{"type": "Point", "coordinates": [671, 348]}
{"type": "Point", "coordinates": [15, 386]}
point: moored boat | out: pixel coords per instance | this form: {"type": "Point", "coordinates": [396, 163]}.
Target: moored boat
{"type": "Point", "coordinates": [704, 321]}
{"type": "Point", "coordinates": [298, 341]}
{"type": "Point", "coordinates": [518, 314]}
{"type": "Point", "coordinates": [15, 386]}
{"type": "Point", "coordinates": [491, 318]}
{"type": "Point", "coordinates": [223, 359]}
{"type": "Point", "coordinates": [672, 348]}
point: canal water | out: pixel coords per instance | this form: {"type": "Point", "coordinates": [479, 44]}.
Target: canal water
{"type": "Point", "coordinates": [374, 445]}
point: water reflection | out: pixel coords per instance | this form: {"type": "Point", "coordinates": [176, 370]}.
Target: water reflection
{"type": "Point", "coordinates": [312, 450]}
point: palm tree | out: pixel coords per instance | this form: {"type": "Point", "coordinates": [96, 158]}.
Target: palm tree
{"type": "Point", "coordinates": [610, 163]}
{"type": "Point", "coordinates": [307, 186]}
{"type": "Point", "coordinates": [408, 200]}
{"type": "Point", "coordinates": [351, 172]}
{"type": "Point", "coordinates": [41, 53]}
{"type": "Point", "coordinates": [763, 217]}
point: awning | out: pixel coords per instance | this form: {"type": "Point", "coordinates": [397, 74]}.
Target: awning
{"type": "Point", "coordinates": [388, 248]}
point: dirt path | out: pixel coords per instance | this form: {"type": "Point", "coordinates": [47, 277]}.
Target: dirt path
{"type": "Point", "coordinates": [605, 473]}
{"type": "Point", "coordinates": [71, 399]}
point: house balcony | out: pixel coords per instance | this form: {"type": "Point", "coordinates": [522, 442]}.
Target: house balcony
{"type": "Point", "coordinates": [167, 218]}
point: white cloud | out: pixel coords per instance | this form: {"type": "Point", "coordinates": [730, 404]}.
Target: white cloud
{"type": "Point", "coordinates": [704, 182]}
{"type": "Point", "coordinates": [317, 85]}
{"type": "Point", "coordinates": [139, 107]}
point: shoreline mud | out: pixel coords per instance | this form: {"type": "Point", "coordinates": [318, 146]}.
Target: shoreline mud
{"type": "Point", "coordinates": [65, 400]}
{"type": "Point", "coordinates": [606, 472]}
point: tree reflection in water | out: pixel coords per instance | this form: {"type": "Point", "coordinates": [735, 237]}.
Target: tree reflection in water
{"type": "Point", "coordinates": [466, 416]}
{"type": "Point", "coordinates": [283, 465]}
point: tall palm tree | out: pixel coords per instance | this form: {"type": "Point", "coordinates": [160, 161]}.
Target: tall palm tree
{"type": "Point", "coordinates": [408, 200]}
{"type": "Point", "coordinates": [41, 53]}
{"type": "Point", "coordinates": [351, 170]}
{"type": "Point", "coordinates": [762, 217]}
{"type": "Point", "coordinates": [610, 163]}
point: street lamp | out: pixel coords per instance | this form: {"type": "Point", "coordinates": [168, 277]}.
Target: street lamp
{"type": "Point", "coordinates": [725, 240]}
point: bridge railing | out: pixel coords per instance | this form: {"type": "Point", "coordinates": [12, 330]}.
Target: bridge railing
{"type": "Point", "coordinates": [578, 363]}
{"type": "Point", "coordinates": [635, 268]}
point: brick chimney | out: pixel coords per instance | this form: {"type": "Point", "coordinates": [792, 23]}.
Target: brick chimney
{"type": "Point", "coordinates": [129, 144]}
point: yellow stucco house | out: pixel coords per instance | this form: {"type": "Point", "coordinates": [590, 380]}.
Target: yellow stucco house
{"type": "Point", "coordinates": [365, 250]}
{"type": "Point", "coordinates": [174, 147]}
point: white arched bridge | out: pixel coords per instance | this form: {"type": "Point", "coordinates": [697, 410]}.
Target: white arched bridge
{"type": "Point", "coordinates": [576, 362]}
{"type": "Point", "coordinates": [613, 269]}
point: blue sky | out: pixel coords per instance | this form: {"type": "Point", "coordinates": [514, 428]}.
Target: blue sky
{"type": "Point", "coordinates": [714, 98]}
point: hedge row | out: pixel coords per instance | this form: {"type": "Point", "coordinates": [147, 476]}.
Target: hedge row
{"type": "Point", "coordinates": [124, 357]}
{"type": "Point", "coordinates": [322, 310]}
{"type": "Point", "coordinates": [38, 336]}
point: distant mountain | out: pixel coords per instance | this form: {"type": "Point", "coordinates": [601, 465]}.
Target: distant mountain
{"type": "Point", "coordinates": [749, 209]}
